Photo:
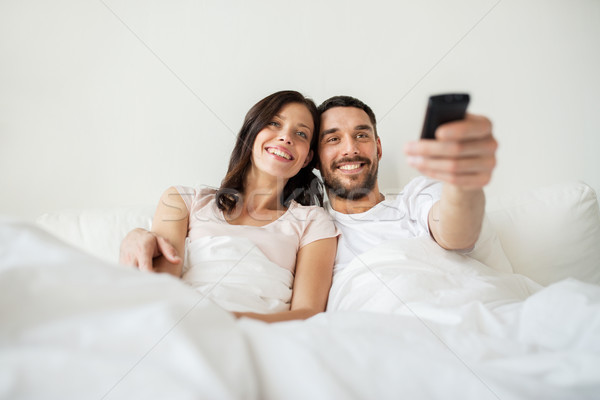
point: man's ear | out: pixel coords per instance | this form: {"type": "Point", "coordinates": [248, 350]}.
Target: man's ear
{"type": "Point", "coordinates": [379, 151]}
{"type": "Point", "coordinates": [308, 158]}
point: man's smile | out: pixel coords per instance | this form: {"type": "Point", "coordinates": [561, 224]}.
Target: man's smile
{"type": "Point", "coordinates": [354, 165]}
{"type": "Point", "coordinates": [351, 167]}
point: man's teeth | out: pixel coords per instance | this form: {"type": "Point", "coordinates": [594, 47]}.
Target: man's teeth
{"type": "Point", "coordinates": [279, 153]}
{"type": "Point", "coordinates": [349, 167]}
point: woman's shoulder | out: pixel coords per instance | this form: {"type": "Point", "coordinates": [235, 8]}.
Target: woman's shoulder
{"type": "Point", "coordinates": [314, 221]}
{"type": "Point", "coordinates": [195, 196]}
{"type": "Point", "coordinates": [308, 212]}
{"type": "Point", "coordinates": [196, 191]}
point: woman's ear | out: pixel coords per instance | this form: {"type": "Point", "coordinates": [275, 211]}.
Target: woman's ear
{"type": "Point", "coordinates": [308, 159]}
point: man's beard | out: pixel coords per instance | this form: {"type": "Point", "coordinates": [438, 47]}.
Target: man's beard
{"type": "Point", "coordinates": [361, 186]}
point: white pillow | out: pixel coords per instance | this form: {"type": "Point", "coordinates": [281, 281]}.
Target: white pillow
{"type": "Point", "coordinates": [550, 233]}
{"type": "Point", "coordinates": [547, 234]}
{"type": "Point", "coordinates": [488, 249]}
{"type": "Point", "coordinates": [100, 232]}
{"type": "Point", "coordinates": [97, 231]}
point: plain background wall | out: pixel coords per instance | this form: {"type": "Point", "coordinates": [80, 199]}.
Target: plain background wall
{"type": "Point", "coordinates": [109, 102]}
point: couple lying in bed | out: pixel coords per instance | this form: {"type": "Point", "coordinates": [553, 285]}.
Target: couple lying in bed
{"type": "Point", "coordinates": [268, 208]}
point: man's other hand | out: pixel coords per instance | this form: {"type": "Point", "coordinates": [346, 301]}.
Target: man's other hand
{"type": "Point", "coordinates": [140, 247]}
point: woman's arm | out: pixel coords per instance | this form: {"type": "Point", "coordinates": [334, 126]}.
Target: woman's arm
{"type": "Point", "coordinates": [171, 222]}
{"type": "Point", "coordinates": [314, 273]}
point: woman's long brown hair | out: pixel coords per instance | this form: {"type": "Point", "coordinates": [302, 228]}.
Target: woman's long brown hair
{"type": "Point", "coordinates": [305, 188]}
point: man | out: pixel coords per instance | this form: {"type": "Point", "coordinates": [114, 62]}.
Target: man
{"type": "Point", "coordinates": [449, 208]}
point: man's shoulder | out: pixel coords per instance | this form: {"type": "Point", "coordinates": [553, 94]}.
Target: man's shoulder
{"type": "Point", "coordinates": [419, 184]}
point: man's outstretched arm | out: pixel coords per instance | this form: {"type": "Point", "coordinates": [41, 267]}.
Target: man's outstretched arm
{"type": "Point", "coordinates": [463, 157]}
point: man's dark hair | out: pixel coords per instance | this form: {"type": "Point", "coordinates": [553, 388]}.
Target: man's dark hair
{"type": "Point", "coordinates": [348, 101]}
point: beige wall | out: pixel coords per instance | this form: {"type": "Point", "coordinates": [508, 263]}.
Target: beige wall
{"type": "Point", "coordinates": [107, 103]}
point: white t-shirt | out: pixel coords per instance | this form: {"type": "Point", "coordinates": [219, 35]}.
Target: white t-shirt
{"type": "Point", "coordinates": [405, 216]}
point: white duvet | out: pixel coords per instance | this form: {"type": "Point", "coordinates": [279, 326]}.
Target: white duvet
{"type": "Point", "coordinates": [74, 327]}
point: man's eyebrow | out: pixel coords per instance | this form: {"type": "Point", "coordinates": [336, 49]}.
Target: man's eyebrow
{"type": "Point", "coordinates": [329, 131]}
{"type": "Point", "coordinates": [356, 128]}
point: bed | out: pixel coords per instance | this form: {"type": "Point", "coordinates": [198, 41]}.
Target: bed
{"type": "Point", "coordinates": [518, 319]}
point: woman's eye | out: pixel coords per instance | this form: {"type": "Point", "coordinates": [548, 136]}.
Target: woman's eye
{"type": "Point", "coordinates": [274, 123]}
{"type": "Point", "coordinates": [302, 134]}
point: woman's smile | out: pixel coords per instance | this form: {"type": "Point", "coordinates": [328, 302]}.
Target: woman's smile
{"type": "Point", "coordinates": [280, 152]}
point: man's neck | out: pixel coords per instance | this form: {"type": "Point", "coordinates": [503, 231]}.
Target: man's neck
{"type": "Point", "coordinates": [355, 206]}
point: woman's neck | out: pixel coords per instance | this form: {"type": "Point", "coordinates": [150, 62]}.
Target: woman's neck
{"type": "Point", "coordinates": [262, 192]}
{"type": "Point", "coordinates": [260, 203]}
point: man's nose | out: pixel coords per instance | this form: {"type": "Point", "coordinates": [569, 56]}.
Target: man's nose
{"type": "Point", "coordinates": [350, 148]}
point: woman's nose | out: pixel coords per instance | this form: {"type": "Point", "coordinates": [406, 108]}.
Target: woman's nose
{"type": "Point", "coordinates": [286, 137]}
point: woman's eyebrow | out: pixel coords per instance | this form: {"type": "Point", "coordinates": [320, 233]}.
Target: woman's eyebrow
{"type": "Point", "coordinates": [299, 123]}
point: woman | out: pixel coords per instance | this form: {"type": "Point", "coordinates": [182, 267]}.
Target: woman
{"type": "Point", "coordinates": [259, 246]}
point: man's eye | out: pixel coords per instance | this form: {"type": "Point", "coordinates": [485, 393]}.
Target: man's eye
{"type": "Point", "coordinates": [362, 135]}
{"type": "Point", "coordinates": [331, 139]}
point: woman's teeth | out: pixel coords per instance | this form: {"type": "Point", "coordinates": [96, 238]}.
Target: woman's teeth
{"type": "Point", "coordinates": [279, 153]}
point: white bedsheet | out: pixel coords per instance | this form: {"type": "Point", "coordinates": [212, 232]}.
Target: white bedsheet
{"type": "Point", "coordinates": [75, 327]}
